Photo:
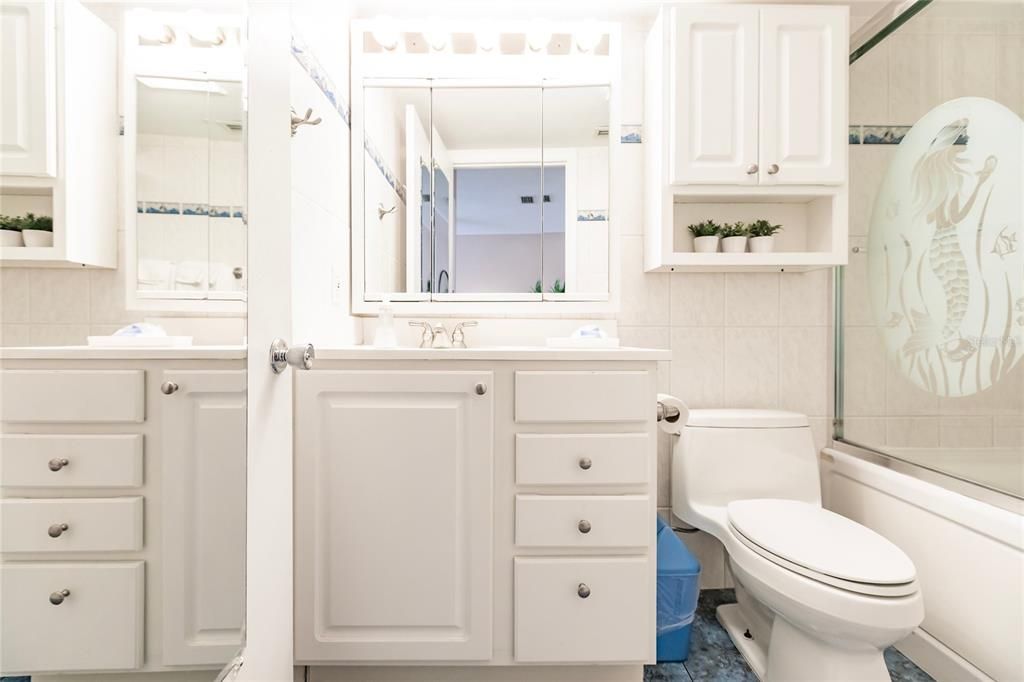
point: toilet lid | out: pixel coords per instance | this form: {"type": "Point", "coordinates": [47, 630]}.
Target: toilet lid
{"type": "Point", "coordinates": [821, 541]}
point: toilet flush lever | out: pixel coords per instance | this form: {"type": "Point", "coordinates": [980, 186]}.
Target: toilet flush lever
{"type": "Point", "coordinates": [282, 355]}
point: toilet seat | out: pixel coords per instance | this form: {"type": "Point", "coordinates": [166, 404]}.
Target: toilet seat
{"type": "Point", "coordinates": [823, 546]}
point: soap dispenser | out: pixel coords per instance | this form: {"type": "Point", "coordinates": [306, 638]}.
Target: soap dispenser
{"type": "Point", "coordinates": [384, 335]}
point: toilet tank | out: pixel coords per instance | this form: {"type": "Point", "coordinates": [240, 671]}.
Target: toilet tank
{"type": "Point", "coordinates": [726, 455]}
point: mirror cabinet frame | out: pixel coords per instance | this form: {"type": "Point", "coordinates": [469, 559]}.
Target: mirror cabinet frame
{"type": "Point", "coordinates": [442, 70]}
{"type": "Point", "coordinates": [132, 65]}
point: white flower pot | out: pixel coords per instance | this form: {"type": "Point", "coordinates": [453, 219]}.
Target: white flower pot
{"type": "Point", "coordinates": [762, 244]}
{"type": "Point", "coordinates": [734, 244]}
{"type": "Point", "coordinates": [37, 237]}
{"type": "Point", "coordinates": [10, 238]}
{"type": "Point", "coordinates": [705, 244]}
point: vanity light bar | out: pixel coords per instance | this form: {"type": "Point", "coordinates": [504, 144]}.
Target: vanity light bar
{"type": "Point", "coordinates": [386, 35]}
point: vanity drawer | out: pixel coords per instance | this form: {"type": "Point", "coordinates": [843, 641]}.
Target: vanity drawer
{"type": "Point", "coordinates": [98, 625]}
{"type": "Point", "coordinates": [583, 610]}
{"type": "Point", "coordinates": [93, 525]}
{"type": "Point", "coordinates": [37, 461]}
{"type": "Point", "coordinates": [584, 521]}
{"type": "Point", "coordinates": [582, 459]}
{"type": "Point", "coordinates": [605, 396]}
{"type": "Point", "coordinates": [73, 396]}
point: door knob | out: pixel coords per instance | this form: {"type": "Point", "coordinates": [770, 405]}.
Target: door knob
{"type": "Point", "coordinates": [773, 169]}
{"type": "Point", "coordinates": [299, 357]}
{"type": "Point", "coordinates": [56, 530]}
{"type": "Point", "coordinates": [57, 464]}
{"type": "Point", "coordinates": [168, 387]}
{"type": "Point", "coordinates": [752, 168]}
{"type": "Point", "coordinates": [57, 598]}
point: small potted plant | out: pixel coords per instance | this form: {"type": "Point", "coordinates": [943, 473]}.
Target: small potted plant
{"type": "Point", "coordinates": [705, 236]}
{"type": "Point", "coordinates": [37, 230]}
{"type": "Point", "coordinates": [734, 237]}
{"type": "Point", "coordinates": [762, 236]}
{"type": "Point", "coordinates": [10, 231]}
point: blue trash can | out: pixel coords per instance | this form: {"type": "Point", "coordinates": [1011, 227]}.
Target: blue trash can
{"type": "Point", "coordinates": [678, 578]}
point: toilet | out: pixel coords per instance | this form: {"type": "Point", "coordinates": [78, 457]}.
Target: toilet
{"type": "Point", "coordinates": [819, 597]}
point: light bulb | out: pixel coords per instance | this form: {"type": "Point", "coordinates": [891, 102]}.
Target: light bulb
{"type": "Point", "coordinates": [487, 39]}
{"type": "Point", "coordinates": [202, 28]}
{"type": "Point", "coordinates": [538, 37]}
{"type": "Point", "coordinates": [588, 36]}
{"type": "Point", "coordinates": [151, 28]}
{"type": "Point", "coordinates": [385, 33]}
{"type": "Point", "coordinates": [436, 36]}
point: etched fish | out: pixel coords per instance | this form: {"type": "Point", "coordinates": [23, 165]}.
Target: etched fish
{"type": "Point", "coordinates": [1005, 244]}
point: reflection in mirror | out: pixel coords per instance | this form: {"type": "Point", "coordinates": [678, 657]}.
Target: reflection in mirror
{"type": "Point", "coordinates": [576, 171]}
{"type": "Point", "coordinates": [396, 178]}
{"type": "Point", "coordinates": [487, 148]}
{"type": "Point", "coordinates": [190, 170]}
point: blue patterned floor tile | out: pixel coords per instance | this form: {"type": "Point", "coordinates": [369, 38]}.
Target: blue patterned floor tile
{"type": "Point", "coordinates": [902, 669]}
{"type": "Point", "coordinates": [666, 672]}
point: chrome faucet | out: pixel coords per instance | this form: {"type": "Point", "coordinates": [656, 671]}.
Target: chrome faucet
{"type": "Point", "coordinates": [437, 336]}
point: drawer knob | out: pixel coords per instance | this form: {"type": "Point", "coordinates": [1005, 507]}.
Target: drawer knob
{"type": "Point", "coordinates": [57, 598]}
{"type": "Point", "coordinates": [583, 591]}
{"type": "Point", "coordinates": [168, 387]}
{"type": "Point", "coordinates": [773, 169]}
{"type": "Point", "coordinates": [57, 464]}
{"type": "Point", "coordinates": [751, 169]}
{"type": "Point", "coordinates": [585, 463]}
{"type": "Point", "coordinates": [584, 526]}
{"type": "Point", "coordinates": [57, 529]}
{"type": "Point", "coordinates": [481, 389]}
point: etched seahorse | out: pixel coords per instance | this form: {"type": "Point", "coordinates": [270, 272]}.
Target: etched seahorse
{"type": "Point", "coordinates": [938, 181]}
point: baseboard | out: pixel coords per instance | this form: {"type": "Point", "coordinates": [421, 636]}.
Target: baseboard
{"type": "Point", "coordinates": [938, 660]}
{"type": "Point", "coordinates": [521, 673]}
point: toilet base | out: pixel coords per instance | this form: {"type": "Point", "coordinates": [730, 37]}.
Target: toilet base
{"type": "Point", "coordinates": [794, 656]}
{"type": "Point", "coordinates": [755, 653]}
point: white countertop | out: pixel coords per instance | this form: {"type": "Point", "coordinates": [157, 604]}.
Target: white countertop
{"type": "Point", "coordinates": [339, 353]}
{"type": "Point", "coordinates": [96, 353]}
{"type": "Point", "coordinates": [492, 353]}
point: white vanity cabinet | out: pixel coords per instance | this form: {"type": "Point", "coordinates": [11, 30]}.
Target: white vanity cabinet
{"type": "Point", "coordinates": [757, 95]}
{"type": "Point", "coordinates": [122, 510]}
{"type": "Point", "coordinates": [475, 508]}
{"type": "Point", "coordinates": [393, 515]}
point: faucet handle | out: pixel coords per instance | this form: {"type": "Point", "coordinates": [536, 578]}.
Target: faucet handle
{"type": "Point", "coordinates": [427, 337]}
{"type": "Point", "coordinates": [459, 336]}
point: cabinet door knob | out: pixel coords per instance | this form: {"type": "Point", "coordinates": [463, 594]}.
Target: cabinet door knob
{"type": "Point", "coordinates": [752, 168]}
{"type": "Point", "coordinates": [481, 389]}
{"type": "Point", "coordinates": [168, 387]}
{"type": "Point", "coordinates": [582, 590]}
{"type": "Point", "coordinates": [585, 463]}
{"type": "Point", "coordinates": [584, 526]}
{"type": "Point", "coordinates": [773, 169]}
{"type": "Point", "coordinates": [57, 598]}
{"type": "Point", "coordinates": [57, 464]}
{"type": "Point", "coordinates": [57, 529]}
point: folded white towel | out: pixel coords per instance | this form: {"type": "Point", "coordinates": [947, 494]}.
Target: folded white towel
{"type": "Point", "coordinates": [155, 274]}
{"type": "Point", "coordinates": [190, 275]}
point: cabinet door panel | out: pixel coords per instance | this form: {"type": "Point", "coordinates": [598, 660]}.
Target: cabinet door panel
{"type": "Point", "coordinates": [394, 524]}
{"type": "Point", "coordinates": [204, 516]}
{"type": "Point", "coordinates": [714, 95]}
{"type": "Point", "coordinates": [28, 124]}
{"type": "Point", "coordinates": [804, 95]}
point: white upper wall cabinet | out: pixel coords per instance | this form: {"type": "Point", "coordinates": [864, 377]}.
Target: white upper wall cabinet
{"type": "Point", "coordinates": [758, 95]}
{"type": "Point", "coordinates": [804, 65]}
{"type": "Point", "coordinates": [28, 127]}
{"type": "Point", "coordinates": [713, 83]}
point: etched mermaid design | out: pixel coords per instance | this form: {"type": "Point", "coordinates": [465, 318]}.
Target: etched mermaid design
{"type": "Point", "coordinates": [945, 270]}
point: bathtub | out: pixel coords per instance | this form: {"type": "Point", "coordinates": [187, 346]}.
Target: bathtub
{"type": "Point", "coordinates": [967, 543]}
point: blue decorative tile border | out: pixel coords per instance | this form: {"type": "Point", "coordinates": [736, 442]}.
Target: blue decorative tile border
{"type": "Point", "coordinates": [311, 65]}
{"type": "Point", "coordinates": [591, 215]}
{"type": "Point", "coordinates": [186, 208]}
{"type": "Point", "coordinates": [884, 134]}
{"type": "Point", "coordinates": [631, 134]}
